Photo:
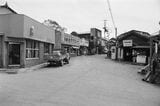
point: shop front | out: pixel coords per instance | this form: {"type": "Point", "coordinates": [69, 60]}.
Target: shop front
{"type": "Point", "coordinates": [14, 53]}
{"type": "Point", "coordinates": [24, 41]}
{"type": "Point", "coordinates": [11, 52]}
{"type": "Point", "coordinates": [134, 47]}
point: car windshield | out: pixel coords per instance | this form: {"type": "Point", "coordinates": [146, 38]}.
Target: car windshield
{"type": "Point", "coordinates": [56, 53]}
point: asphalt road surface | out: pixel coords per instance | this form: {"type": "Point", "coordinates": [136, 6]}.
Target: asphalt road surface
{"type": "Point", "coordinates": [86, 81]}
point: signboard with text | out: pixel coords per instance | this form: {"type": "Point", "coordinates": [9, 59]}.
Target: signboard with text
{"type": "Point", "coordinates": [127, 43]}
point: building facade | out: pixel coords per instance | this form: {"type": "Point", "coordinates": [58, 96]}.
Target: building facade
{"type": "Point", "coordinates": [94, 37]}
{"type": "Point", "coordinates": [24, 41]}
{"type": "Point", "coordinates": [71, 43]}
{"type": "Point", "coordinates": [133, 46]}
{"type": "Point", "coordinates": [84, 46]}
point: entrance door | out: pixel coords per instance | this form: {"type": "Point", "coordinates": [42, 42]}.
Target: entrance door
{"type": "Point", "coordinates": [14, 54]}
{"type": "Point", "coordinates": [127, 54]}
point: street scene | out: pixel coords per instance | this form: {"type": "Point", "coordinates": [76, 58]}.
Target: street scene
{"type": "Point", "coordinates": [86, 81]}
{"type": "Point", "coordinates": [79, 53]}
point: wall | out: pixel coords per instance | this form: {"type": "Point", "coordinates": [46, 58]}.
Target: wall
{"type": "Point", "coordinates": [84, 42]}
{"type": "Point", "coordinates": [32, 62]}
{"type": "Point", "coordinates": [4, 24]}
{"type": "Point", "coordinates": [0, 50]}
{"type": "Point", "coordinates": [57, 40]}
{"type": "Point", "coordinates": [96, 32]}
{"type": "Point", "coordinates": [40, 31]}
{"type": "Point", "coordinates": [18, 25]}
{"type": "Point", "coordinates": [11, 25]}
{"type": "Point", "coordinates": [5, 11]}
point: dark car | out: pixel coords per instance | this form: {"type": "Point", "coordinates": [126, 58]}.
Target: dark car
{"type": "Point", "coordinates": [58, 57]}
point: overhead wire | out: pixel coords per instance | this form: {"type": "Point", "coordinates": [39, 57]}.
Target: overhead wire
{"type": "Point", "coordinates": [114, 25]}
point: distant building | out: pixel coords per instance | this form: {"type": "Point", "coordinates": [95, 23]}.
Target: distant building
{"type": "Point", "coordinates": [71, 43]}
{"type": "Point", "coordinates": [103, 44]}
{"type": "Point", "coordinates": [94, 38]}
{"type": "Point", "coordinates": [111, 46]}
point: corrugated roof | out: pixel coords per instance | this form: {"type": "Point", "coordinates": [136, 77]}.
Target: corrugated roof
{"type": "Point", "coordinates": [139, 33]}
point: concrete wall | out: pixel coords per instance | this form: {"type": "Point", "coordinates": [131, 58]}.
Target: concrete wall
{"type": "Point", "coordinates": [11, 25]}
{"type": "Point", "coordinates": [5, 11]}
{"type": "Point", "coordinates": [18, 25]}
{"type": "Point", "coordinates": [58, 40]}
{"type": "Point", "coordinates": [4, 24]}
{"type": "Point", "coordinates": [40, 31]}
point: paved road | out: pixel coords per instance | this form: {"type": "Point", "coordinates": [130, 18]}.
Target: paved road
{"type": "Point", "coordinates": [86, 81]}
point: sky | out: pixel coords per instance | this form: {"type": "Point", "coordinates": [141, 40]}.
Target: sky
{"type": "Point", "coordinates": [81, 15]}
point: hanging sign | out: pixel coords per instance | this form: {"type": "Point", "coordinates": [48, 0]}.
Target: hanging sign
{"type": "Point", "coordinates": [127, 43]}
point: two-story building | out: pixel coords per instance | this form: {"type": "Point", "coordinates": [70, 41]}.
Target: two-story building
{"type": "Point", "coordinates": [94, 38]}
{"type": "Point", "coordinates": [71, 43]}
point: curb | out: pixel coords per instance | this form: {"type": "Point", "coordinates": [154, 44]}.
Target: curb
{"type": "Point", "coordinates": [24, 70]}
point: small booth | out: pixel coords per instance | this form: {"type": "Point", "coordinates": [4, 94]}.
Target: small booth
{"type": "Point", "coordinates": [133, 46]}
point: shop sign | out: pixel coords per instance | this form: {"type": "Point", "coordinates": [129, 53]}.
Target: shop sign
{"type": "Point", "coordinates": [127, 43]}
{"type": "Point", "coordinates": [32, 31]}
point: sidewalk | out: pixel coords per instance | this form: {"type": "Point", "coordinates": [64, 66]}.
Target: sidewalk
{"type": "Point", "coordinates": [22, 70]}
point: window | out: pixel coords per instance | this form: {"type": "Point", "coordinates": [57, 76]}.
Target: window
{"type": "Point", "coordinates": [46, 48]}
{"type": "Point", "coordinates": [32, 49]}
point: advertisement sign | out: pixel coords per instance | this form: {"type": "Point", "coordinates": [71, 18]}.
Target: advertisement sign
{"type": "Point", "coordinates": [127, 43]}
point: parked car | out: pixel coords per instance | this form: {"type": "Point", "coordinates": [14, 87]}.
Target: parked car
{"type": "Point", "coordinates": [58, 57]}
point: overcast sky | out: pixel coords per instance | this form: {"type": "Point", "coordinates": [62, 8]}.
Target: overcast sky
{"type": "Point", "coordinates": [81, 15]}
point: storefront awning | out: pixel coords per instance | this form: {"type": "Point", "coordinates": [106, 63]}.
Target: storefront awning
{"type": "Point", "coordinates": [141, 47]}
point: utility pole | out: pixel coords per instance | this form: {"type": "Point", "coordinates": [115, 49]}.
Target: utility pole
{"type": "Point", "coordinates": [159, 24]}
{"type": "Point", "coordinates": [106, 35]}
{"type": "Point", "coordinates": [110, 10]}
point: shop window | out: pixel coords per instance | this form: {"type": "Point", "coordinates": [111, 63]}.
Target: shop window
{"type": "Point", "coordinates": [92, 37]}
{"type": "Point", "coordinates": [32, 49]}
{"type": "Point", "coordinates": [52, 47]}
{"type": "Point", "coordinates": [46, 48]}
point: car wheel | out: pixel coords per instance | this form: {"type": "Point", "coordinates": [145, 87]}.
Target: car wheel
{"type": "Point", "coordinates": [61, 63]}
{"type": "Point", "coordinates": [67, 61]}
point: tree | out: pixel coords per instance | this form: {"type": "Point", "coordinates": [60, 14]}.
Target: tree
{"type": "Point", "coordinates": [74, 33]}
{"type": "Point", "coordinates": [54, 25]}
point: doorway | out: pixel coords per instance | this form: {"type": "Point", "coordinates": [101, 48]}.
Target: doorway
{"type": "Point", "coordinates": [14, 54]}
{"type": "Point", "coordinates": [127, 54]}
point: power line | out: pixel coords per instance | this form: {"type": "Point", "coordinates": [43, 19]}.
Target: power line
{"type": "Point", "coordinates": [109, 6]}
